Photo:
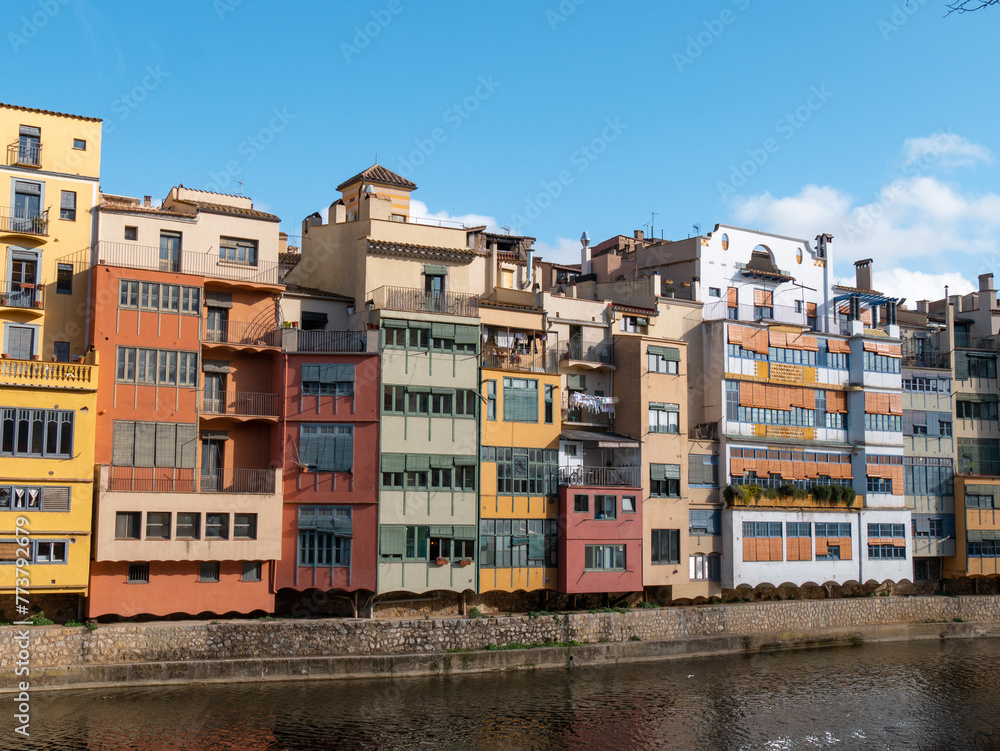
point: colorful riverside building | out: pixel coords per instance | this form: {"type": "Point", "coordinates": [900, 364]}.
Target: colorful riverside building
{"type": "Point", "coordinates": [48, 379]}
{"type": "Point", "coordinates": [519, 522]}
{"type": "Point", "coordinates": [184, 307]}
{"type": "Point", "coordinates": [413, 284]}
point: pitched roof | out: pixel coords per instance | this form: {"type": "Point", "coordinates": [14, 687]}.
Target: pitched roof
{"type": "Point", "coordinates": [289, 259]}
{"type": "Point", "coordinates": [379, 174]}
{"type": "Point", "coordinates": [218, 208]}
{"type": "Point", "coordinates": [50, 112]}
{"type": "Point", "coordinates": [298, 289]}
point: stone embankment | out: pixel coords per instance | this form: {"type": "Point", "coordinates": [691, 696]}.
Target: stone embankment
{"type": "Point", "coordinates": [171, 652]}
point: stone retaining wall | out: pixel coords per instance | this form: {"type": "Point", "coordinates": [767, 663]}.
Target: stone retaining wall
{"type": "Point", "coordinates": [58, 646]}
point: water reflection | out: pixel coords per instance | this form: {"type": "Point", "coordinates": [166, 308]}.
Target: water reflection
{"type": "Point", "coordinates": [926, 695]}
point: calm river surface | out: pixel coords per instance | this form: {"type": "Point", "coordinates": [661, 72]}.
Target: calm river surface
{"type": "Point", "coordinates": [924, 695]}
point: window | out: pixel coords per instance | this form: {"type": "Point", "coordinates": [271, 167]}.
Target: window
{"type": "Point", "coordinates": [732, 400]}
{"type": "Point", "coordinates": [393, 399]}
{"type": "Point", "coordinates": [879, 485]}
{"type": "Point", "coordinates": [131, 233]}
{"type": "Point", "coordinates": [665, 480]}
{"type": "Point", "coordinates": [154, 444]}
{"type": "Point", "coordinates": [216, 526]}
{"type": "Point", "coordinates": [703, 470]}
{"type": "Point", "coordinates": [128, 525]}
{"type": "Point", "coordinates": [886, 551]}
{"type": "Point", "coordinates": [628, 504]}
{"type": "Point", "coordinates": [892, 423]}
{"type": "Point", "coordinates": [251, 571]}
{"type": "Point", "coordinates": [976, 410]}
{"type": "Point", "coordinates": [61, 351]}
{"type": "Point", "coordinates": [79, 144]}
{"type": "Point", "coordinates": [663, 360]}
{"type": "Point", "coordinates": [887, 530]}
{"type": "Point", "coordinates": [188, 526]}
{"type": "Point", "coordinates": [328, 379]}
{"type": "Point", "coordinates": [664, 418]}
{"type": "Point", "coordinates": [29, 145]}
{"type": "Point", "coordinates": [665, 547]}
{"type": "Point", "coordinates": [581, 503]}
{"type": "Point", "coordinates": [833, 529]}
{"type": "Point", "coordinates": [327, 447]}
{"type": "Point", "coordinates": [313, 321]}
{"type": "Point", "coordinates": [160, 367]}
{"type": "Point", "coordinates": [67, 206]}
{"type": "Point", "coordinates": [634, 324]}
{"type": "Point", "coordinates": [520, 400]}
{"type": "Point", "coordinates": [64, 279]}
{"type": "Point", "coordinates": [762, 529]}
{"type": "Point", "coordinates": [550, 391]}
{"type": "Point", "coordinates": [605, 507]}
{"type": "Point", "coordinates": [157, 525]}
{"type": "Point", "coordinates": [325, 534]}
{"type": "Point", "coordinates": [705, 567]}
{"type": "Point", "coordinates": [465, 403]}
{"type": "Point", "coordinates": [238, 251]}
{"type": "Point", "coordinates": [798, 529]}
{"type": "Point", "coordinates": [519, 543]}
{"type": "Point", "coordinates": [442, 404]}
{"type": "Point", "coordinates": [975, 500]}
{"type": "Point", "coordinates": [138, 573]}
{"type": "Point", "coordinates": [705, 522]}
{"type": "Point", "coordinates": [208, 572]}
{"type": "Point", "coordinates": [714, 292]}
{"type": "Point", "coordinates": [491, 400]}
{"type": "Point", "coordinates": [522, 471]}
{"type": "Point", "coordinates": [604, 558]}
{"type": "Point", "coordinates": [882, 363]}
{"type": "Point", "coordinates": [982, 367]}
{"type": "Point", "coordinates": [36, 432]}
{"type": "Point", "coordinates": [245, 526]}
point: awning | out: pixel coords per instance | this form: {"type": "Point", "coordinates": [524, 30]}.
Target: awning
{"type": "Point", "coordinates": [593, 439]}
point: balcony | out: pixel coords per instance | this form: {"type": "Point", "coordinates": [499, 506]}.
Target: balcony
{"type": "Point", "coordinates": [923, 356]}
{"type": "Point", "coordinates": [775, 314]}
{"type": "Point", "coordinates": [583, 351]}
{"type": "Point", "coordinates": [417, 300]}
{"type": "Point", "coordinates": [297, 340]}
{"type": "Point", "coordinates": [505, 358]}
{"type": "Point", "coordinates": [971, 341]}
{"type": "Point", "coordinates": [600, 477]}
{"type": "Point", "coordinates": [51, 375]}
{"type": "Point", "coordinates": [24, 154]}
{"type": "Point", "coordinates": [24, 222]}
{"type": "Point", "coordinates": [22, 295]}
{"type": "Point", "coordinates": [240, 404]}
{"type": "Point", "coordinates": [150, 258]}
{"type": "Point", "coordinates": [245, 333]}
{"type": "Point", "coordinates": [187, 480]}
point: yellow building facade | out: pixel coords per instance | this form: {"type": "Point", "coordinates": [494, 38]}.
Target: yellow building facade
{"type": "Point", "coordinates": [520, 424]}
{"type": "Point", "coordinates": [48, 381]}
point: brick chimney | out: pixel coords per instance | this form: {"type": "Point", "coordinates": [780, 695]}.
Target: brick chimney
{"type": "Point", "coordinates": [147, 201]}
{"type": "Point", "coordinates": [863, 273]}
{"type": "Point", "coordinates": [639, 235]}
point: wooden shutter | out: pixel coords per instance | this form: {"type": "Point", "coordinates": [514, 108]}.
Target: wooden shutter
{"type": "Point", "coordinates": [55, 499]}
{"type": "Point", "coordinates": [393, 540]}
{"type": "Point", "coordinates": [123, 443]}
{"type": "Point", "coordinates": [393, 462]}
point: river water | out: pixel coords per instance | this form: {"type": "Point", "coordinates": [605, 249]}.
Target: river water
{"type": "Point", "coordinates": [921, 695]}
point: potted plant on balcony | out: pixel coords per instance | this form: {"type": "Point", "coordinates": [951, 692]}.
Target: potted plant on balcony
{"type": "Point", "coordinates": [38, 224]}
{"type": "Point", "coordinates": [441, 561]}
{"type": "Point", "coordinates": [464, 561]}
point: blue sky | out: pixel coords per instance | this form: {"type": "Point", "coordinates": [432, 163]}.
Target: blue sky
{"type": "Point", "coordinates": [869, 119]}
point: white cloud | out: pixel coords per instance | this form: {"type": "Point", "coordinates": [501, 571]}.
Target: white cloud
{"type": "Point", "coordinates": [916, 285]}
{"type": "Point", "coordinates": [565, 251]}
{"type": "Point", "coordinates": [419, 210]}
{"type": "Point", "coordinates": [945, 150]}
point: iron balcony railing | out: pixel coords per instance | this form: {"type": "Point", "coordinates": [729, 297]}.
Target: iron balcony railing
{"type": "Point", "coordinates": [153, 258]}
{"type": "Point", "coordinates": [22, 294]}
{"type": "Point", "coordinates": [422, 301]}
{"type": "Point", "coordinates": [972, 341]}
{"type": "Point", "coordinates": [24, 154]}
{"type": "Point", "coordinates": [252, 333]}
{"type": "Point", "coordinates": [330, 341]}
{"type": "Point", "coordinates": [188, 480]}
{"type": "Point", "coordinates": [240, 403]}
{"type": "Point", "coordinates": [23, 221]}
{"type": "Point", "coordinates": [508, 358]}
{"type": "Point", "coordinates": [761, 314]}
{"type": "Point", "coordinates": [588, 351]}
{"type": "Point", "coordinates": [600, 477]}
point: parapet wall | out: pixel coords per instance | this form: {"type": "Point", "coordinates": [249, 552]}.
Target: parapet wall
{"type": "Point", "coordinates": [75, 656]}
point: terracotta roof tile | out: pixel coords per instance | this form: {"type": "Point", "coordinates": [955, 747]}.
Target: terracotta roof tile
{"type": "Point", "coordinates": [388, 246]}
{"type": "Point", "coordinates": [218, 208]}
{"type": "Point", "coordinates": [379, 174]}
{"type": "Point", "coordinates": [289, 259]}
{"type": "Point", "coordinates": [50, 112]}
{"type": "Point", "coordinates": [300, 290]}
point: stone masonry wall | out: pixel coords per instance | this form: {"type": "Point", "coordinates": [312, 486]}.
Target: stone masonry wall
{"type": "Point", "coordinates": [59, 646]}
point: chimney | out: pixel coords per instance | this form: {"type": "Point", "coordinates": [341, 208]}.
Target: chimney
{"type": "Point", "coordinates": [988, 295]}
{"type": "Point", "coordinates": [584, 254]}
{"type": "Point", "coordinates": [863, 273]}
{"type": "Point", "coordinates": [922, 306]}
{"type": "Point", "coordinates": [491, 281]}
{"type": "Point", "coordinates": [529, 253]}
{"type": "Point", "coordinates": [639, 235]}
{"type": "Point", "coordinates": [147, 201]}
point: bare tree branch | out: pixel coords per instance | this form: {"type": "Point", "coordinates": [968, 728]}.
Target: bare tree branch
{"type": "Point", "coordinates": [968, 6]}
